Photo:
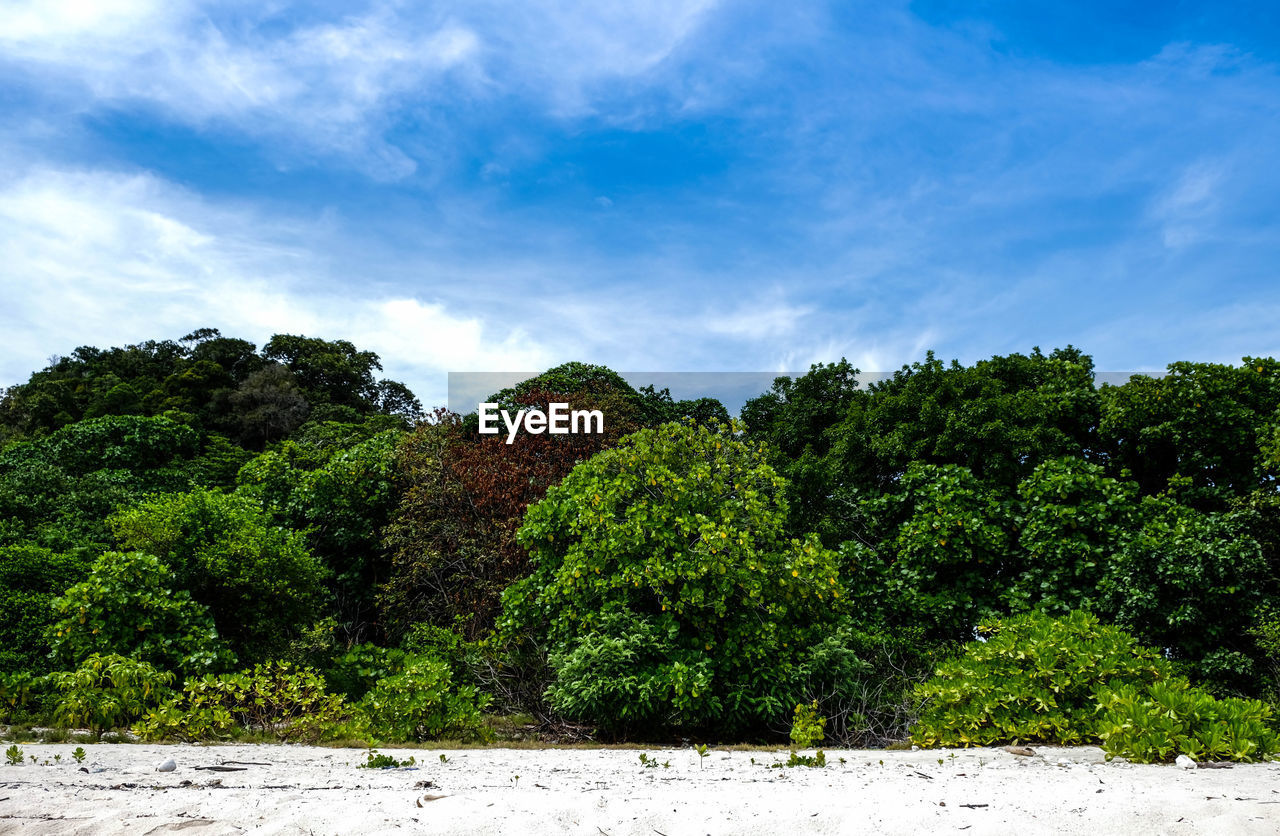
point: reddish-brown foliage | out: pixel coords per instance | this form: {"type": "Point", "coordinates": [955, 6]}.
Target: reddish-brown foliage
{"type": "Point", "coordinates": [452, 539]}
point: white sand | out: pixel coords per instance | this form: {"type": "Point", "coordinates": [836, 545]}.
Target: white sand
{"type": "Point", "coordinates": [310, 790]}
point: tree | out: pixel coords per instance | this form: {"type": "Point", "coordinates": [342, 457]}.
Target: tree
{"type": "Point", "coordinates": [342, 507]}
{"type": "Point", "coordinates": [998, 418]}
{"type": "Point", "coordinates": [328, 371]}
{"type": "Point", "coordinates": [1192, 582]}
{"type": "Point", "coordinates": [1071, 521]}
{"type": "Point", "coordinates": [937, 553]}
{"type": "Point", "coordinates": [796, 418]}
{"type": "Point", "coordinates": [670, 550]}
{"type": "Point", "coordinates": [128, 606]}
{"type": "Point", "coordinates": [1201, 421]}
{"type": "Point", "coordinates": [452, 538]}
{"type": "Point", "coordinates": [57, 490]}
{"type": "Point", "coordinates": [30, 578]}
{"type": "Point", "coordinates": [260, 582]}
{"type": "Point", "coordinates": [270, 405]}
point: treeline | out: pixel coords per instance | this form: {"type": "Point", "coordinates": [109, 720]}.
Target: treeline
{"type": "Point", "coordinates": [174, 512]}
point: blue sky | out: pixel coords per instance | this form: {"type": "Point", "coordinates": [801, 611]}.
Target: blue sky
{"type": "Point", "coordinates": [657, 186]}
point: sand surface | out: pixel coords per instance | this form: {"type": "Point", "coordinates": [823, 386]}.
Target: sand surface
{"type": "Point", "coordinates": [309, 790]}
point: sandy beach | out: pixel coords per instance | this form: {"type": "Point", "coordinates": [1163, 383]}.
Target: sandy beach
{"type": "Point", "coordinates": [312, 790]}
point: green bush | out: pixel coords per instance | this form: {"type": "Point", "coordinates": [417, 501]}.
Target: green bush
{"type": "Point", "coordinates": [276, 699]}
{"type": "Point", "coordinates": [108, 691]}
{"type": "Point", "coordinates": [129, 606]}
{"type": "Point", "coordinates": [1157, 723]}
{"type": "Point", "coordinates": [259, 581]}
{"type": "Point", "coordinates": [808, 727]}
{"type": "Point", "coordinates": [355, 672]}
{"type": "Point", "coordinates": [1074, 680]}
{"type": "Point", "coordinates": [1191, 581]}
{"type": "Point", "coordinates": [341, 506]}
{"type": "Point", "coordinates": [630, 674]}
{"type": "Point", "coordinates": [685, 527]}
{"type": "Point", "coordinates": [30, 578]}
{"type": "Point", "coordinates": [17, 691]}
{"type": "Point", "coordinates": [951, 539]}
{"type": "Point", "coordinates": [421, 702]}
{"type": "Point", "coordinates": [1033, 680]}
{"type": "Point", "coordinates": [1072, 518]}
{"type": "Point", "coordinates": [56, 491]}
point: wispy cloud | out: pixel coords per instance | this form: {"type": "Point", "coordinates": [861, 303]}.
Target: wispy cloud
{"type": "Point", "coordinates": [103, 258]}
{"type": "Point", "coordinates": [673, 184]}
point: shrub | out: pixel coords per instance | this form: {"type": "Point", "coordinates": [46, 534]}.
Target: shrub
{"type": "Point", "coordinates": [864, 682]}
{"type": "Point", "coordinates": [1165, 719]}
{"type": "Point", "coordinates": [952, 539]}
{"type": "Point", "coordinates": [1033, 680]}
{"type": "Point", "coordinates": [1073, 680]}
{"type": "Point", "coordinates": [30, 578]}
{"type": "Point", "coordinates": [685, 527]}
{"type": "Point", "coordinates": [453, 536]}
{"type": "Point", "coordinates": [342, 507]}
{"type": "Point", "coordinates": [630, 674]}
{"type": "Point", "coordinates": [421, 702]}
{"type": "Point", "coordinates": [57, 490]}
{"type": "Point", "coordinates": [377, 760]}
{"type": "Point", "coordinates": [1190, 581]}
{"type": "Point", "coordinates": [108, 691]}
{"type": "Point", "coordinates": [276, 699]}
{"type": "Point", "coordinates": [355, 672]}
{"type": "Point", "coordinates": [16, 691]}
{"type": "Point", "coordinates": [128, 606]}
{"type": "Point", "coordinates": [1072, 519]}
{"type": "Point", "coordinates": [258, 580]}
{"type": "Point", "coordinates": [808, 727]}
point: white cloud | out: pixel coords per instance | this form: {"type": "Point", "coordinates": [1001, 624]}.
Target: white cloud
{"type": "Point", "coordinates": [50, 22]}
{"type": "Point", "coordinates": [771, 317]}
{"type": "Point", "coordinates": [1187, 209]}
{"type": "Point", "coordinates": [96, 258]}
{"type": "Point", "coordinates": [334, 87]}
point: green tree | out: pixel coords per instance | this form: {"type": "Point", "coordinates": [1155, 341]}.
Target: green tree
{"type": "Point", "coordinates": [940, 548]}
{"type": "Point", "coordinates": [1201, 421]}
{"type": "Point", "coordinates": [795, 418]}
{"type": "Point", "coordinates": [672, 545]}
{"type": "Point", "coordinates": [259, 581]}
{"type": "Point", "coordinates": [30, 578]}
{"type": "Point", "coordinates": [57, 490]}
{"type": "Point", "coordinates": [129, 606]}
{"type": "Point", "coordinates": [342, 507]}
{"type": "Point", "coordinates": [1192, 582]}
{"type": "Point", "coordinates": [328, 371]}
{"type": "Point", "coordinates": [999, 418]}
{"type": "Point", "coordinates": [1071, 520]}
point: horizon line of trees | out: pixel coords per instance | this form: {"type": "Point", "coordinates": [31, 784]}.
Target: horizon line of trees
{"type": "Point", "coordinates": [202, 506]}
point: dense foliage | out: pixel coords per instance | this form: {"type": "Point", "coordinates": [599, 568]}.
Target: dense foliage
{"type": "Point", "coordinates": [274, 699]}
{"type": "Point", "coordinates": [1072, 680]}
{"type": "Point", "coordinates": [259, 581]}
{"type": "Point", "coordinates": [30, 579]}
{"type": "Point", "coordinates": [172, 512]}
{"type": "Point", "coordinates": [453, 536]}
{"type": "Point", "coordinates": [665, 587]}
{"type": "Point", "coordinates": [129, 606]}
